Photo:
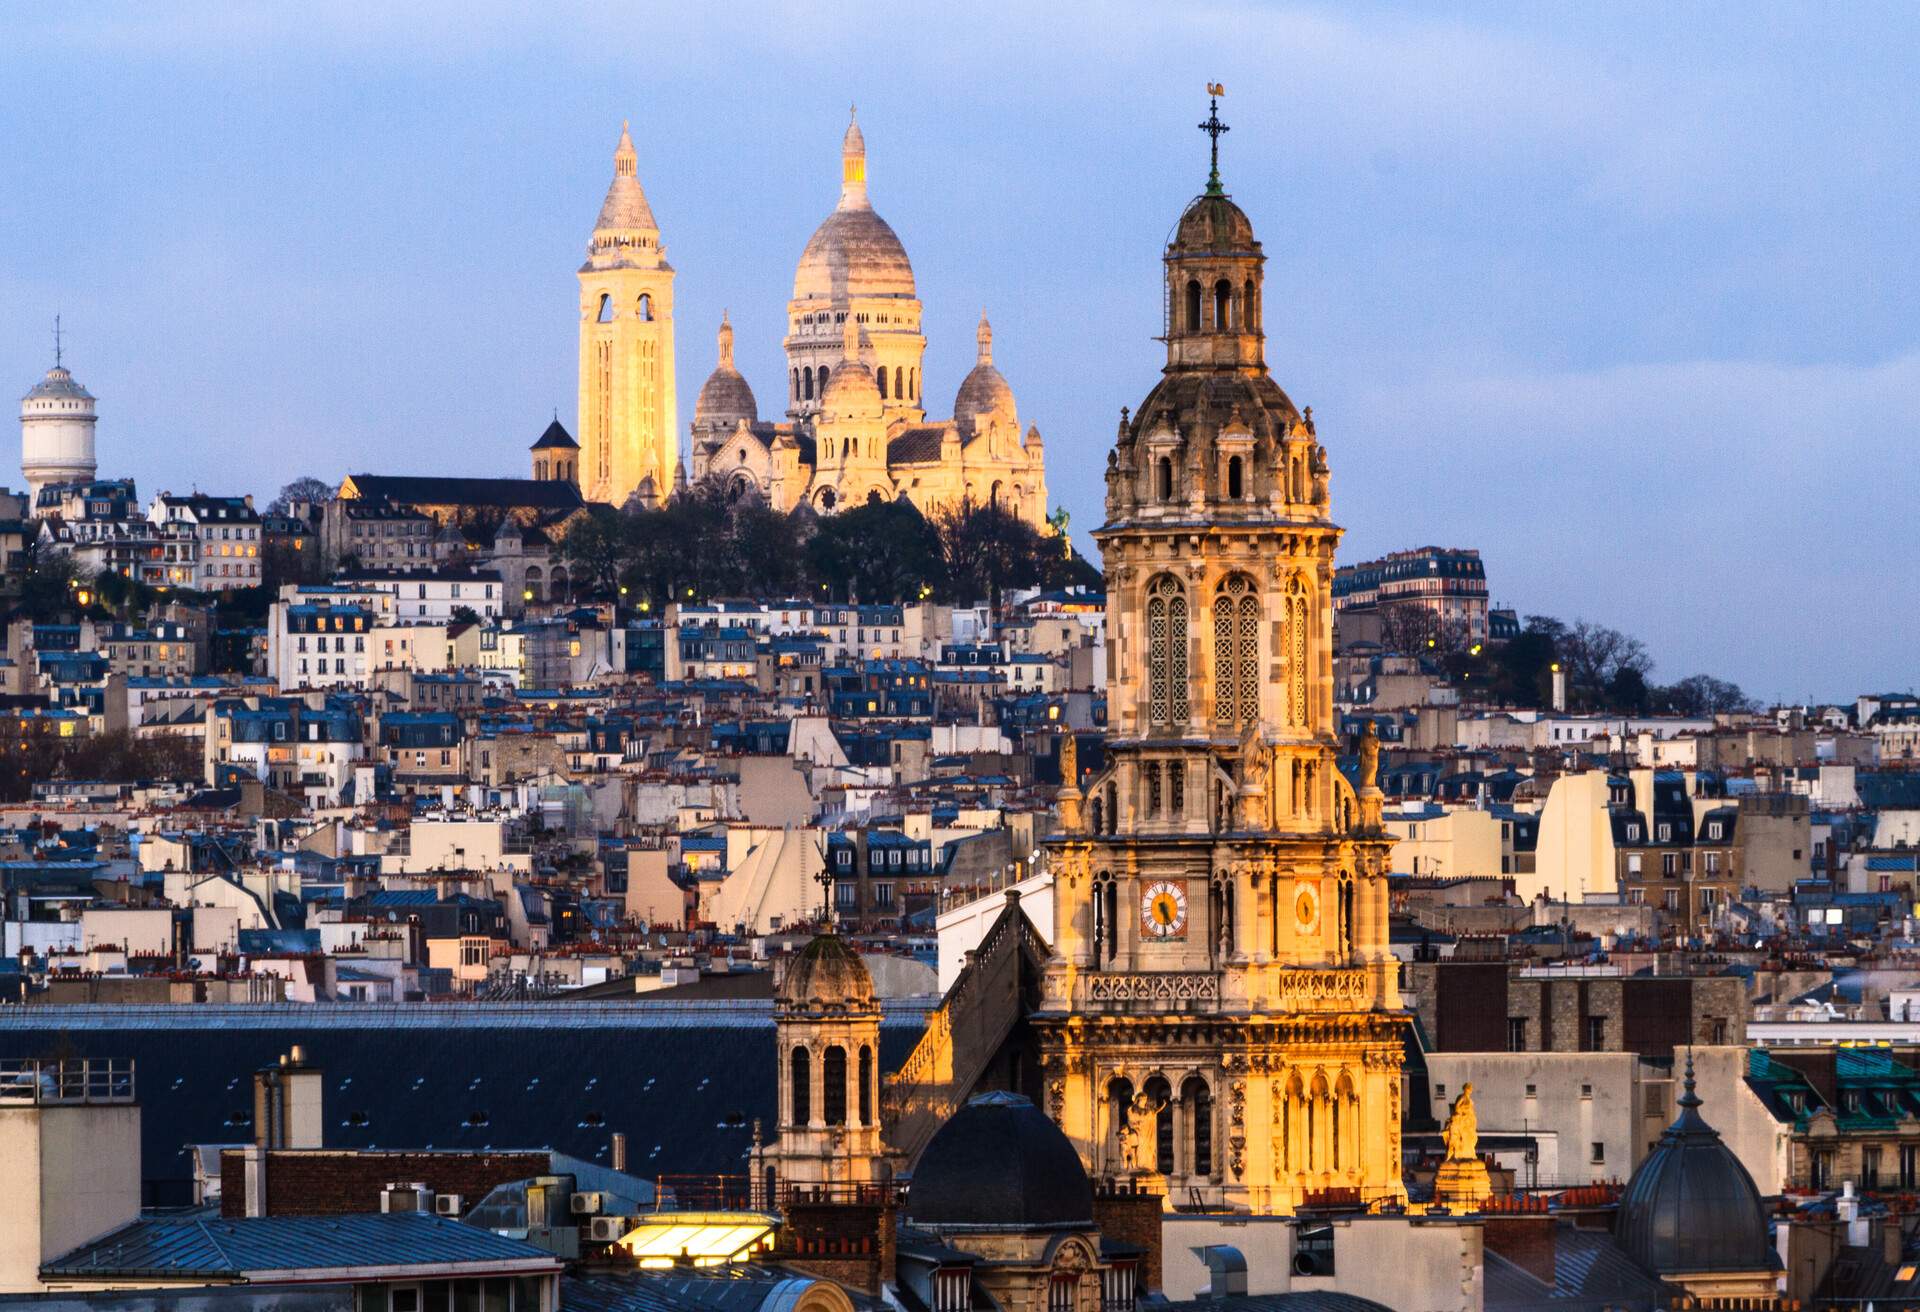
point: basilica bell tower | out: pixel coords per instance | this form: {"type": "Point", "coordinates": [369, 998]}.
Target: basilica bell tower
{"type": "Point", "coordinates": [1221, 1012]}
{"type": "Point", "coordinates": [629, 426]}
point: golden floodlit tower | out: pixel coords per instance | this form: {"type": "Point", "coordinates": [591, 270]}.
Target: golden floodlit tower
{"type": "Point", "coordinates": [1221, 1011]}
{"type": "Point", "coordinates": [629, 425]}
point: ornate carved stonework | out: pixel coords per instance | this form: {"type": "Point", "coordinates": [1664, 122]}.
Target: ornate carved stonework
{"type": "Point", "coordinates": [1196, 986]}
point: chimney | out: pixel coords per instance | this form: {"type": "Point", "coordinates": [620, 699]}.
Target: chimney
{"type": "Point", "coordinates": [619, 1151]}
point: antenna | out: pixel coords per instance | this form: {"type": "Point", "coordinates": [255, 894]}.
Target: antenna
{"type": "Point", "coordinates": [56, 342]}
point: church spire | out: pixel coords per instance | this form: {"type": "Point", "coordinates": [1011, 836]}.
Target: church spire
{"type": "Point", "coordinates": [853, 166]}
{"type": "Point", "coordinates": [985, 338]}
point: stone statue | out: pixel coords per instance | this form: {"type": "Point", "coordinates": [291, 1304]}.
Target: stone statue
{"type": "Point", "coordinates": [1256, 764]}
{"type": "Point", "coordinates": [1320, 474]}
{"type": "Point", "coordinates": [1370, 757]}
{"type": "Point", "coordinates": [1143, 1107]}
{"type": "Point", "coordinates": [1461, 1133]}
{"type": "Point", "coordinates": [1069, 760]}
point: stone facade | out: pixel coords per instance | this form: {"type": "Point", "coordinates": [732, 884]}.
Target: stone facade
{"type": "Point", "coordinates": [856, 425]}
{"type": "Point", "coordinates": [1222, 1010]}
{"type": "Point", "coordinates": [629, 417]}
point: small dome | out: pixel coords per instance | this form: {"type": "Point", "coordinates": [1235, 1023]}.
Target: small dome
{"type": "Point", "coordinates": [1000, 1164]}
{"type": "Point", "coordinates": [984, 391]}
{"type": "Point", "coordinates": [1691, 1206]}
{"type": "Point", "coordinates": [827, 971]}
{"type": "Point", "coordinates": [58, 385]}
{"type": "Point", "coordinates": [851, 391]}
{"type": "Point", "coordinates": [725, 398]}
{"type": "Point", "coordinates": [1214, 223]}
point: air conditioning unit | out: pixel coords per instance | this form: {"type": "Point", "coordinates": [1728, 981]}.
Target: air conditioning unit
{"type": "Point", "coordinates": [606, 1229]}
{"type": "Point", "coordinates": [587, 1203]}
{"type": "Point", "coordinates": [446, 1205]}
{"type": "Point", "coordinates": [408, 1197]}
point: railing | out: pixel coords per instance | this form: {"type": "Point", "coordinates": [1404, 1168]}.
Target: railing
{"type": "Point", "coordinates": [65, 1083]}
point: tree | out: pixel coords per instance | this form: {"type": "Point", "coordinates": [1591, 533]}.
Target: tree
{"type": "Point", "coordinates": [594, 546]}
{"type": "Point", "coordinates": [49, 580]}
{"type": "Point", "coordinates": [1594, 657]}
{"type": "Point", "coordinates": [881, 552]}
{"type": "Point", "coordinates": [304, 488]}
{"type": "Point", "coordinates": [1702, 694]}
{"type": "Point", "coordinates": [1522, 668]}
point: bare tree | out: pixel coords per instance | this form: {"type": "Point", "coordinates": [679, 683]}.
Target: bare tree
{"type": "Point", "coordinates": [1595, 656]}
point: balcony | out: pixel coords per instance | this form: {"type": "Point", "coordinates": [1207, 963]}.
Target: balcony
{"type": "Point", "coordinates": [71, 1083]}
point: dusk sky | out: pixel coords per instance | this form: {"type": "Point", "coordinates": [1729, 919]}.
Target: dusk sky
{"type": "Point", "coordinates": [1624, 296]}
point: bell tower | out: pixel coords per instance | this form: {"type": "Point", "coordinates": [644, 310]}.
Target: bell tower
{"type": "Point", "coordinates": [628, 422]}
{"type": "Point", "coordinates": [1222, 1009]}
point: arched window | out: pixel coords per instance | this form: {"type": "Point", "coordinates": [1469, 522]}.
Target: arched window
{"type": "Point", "coordinates": [796, 384]}
{"type": "Point", "coordinates": [1162, 1095]}
{"type": "Point", "coordinates": [1113, 911]}
{"type": "Point", "coordinates": [1235, 480]}
{"type": "Point", "coordinates": [1193, 306]}
{"type": "Point", "coordinates": [993, 495]}
{"type": "Point", "coordinates": [866, 1085]}
{"type": "Point", "coordinates": [807, 376]}
{"type": "Point", "coordinates": [1163, 478]}
{"type": "Point", "coordinates": [880, 377]}
{"type": "Point", "coordinates": [1299, 679]}
{"type": "Point", "coordinates": [800, 1076]}
{"type": "Point", "coordinates": [1197, 1102]}
{"type": "Point", "coordinates": [1166, 652]}
{"type": "Point", "coordinates": [1236, 651]}
{"type": "Point", "coordinates": [1223, 306]}
{"type": "Point", "coordinates": [1113, 808]}
{"type": "Point", "coordinates": [646, 308]}
{"type": "Point", "coordinates": [1249, 309]}
{"type": "Point", "coordinates": [833, 1085]}
{"type": "Point", "coordinates": [606, 309]}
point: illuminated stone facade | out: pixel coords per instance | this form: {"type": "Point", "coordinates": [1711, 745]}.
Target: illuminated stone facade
{"type": "Point", "coordinates": [629, 420]}
{"type": "Point", "coordinates": [1221, 1009]}
{"type": "Point", "coordinates": [856, 426]}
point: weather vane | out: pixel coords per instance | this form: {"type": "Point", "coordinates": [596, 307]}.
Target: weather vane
{"type": "Point", "coordinates": [1213, 127]}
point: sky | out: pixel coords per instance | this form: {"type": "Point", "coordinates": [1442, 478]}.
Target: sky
{"type": "Point", "coordinates": [1622, 295]}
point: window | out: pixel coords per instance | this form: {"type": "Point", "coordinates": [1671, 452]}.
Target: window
{"type": "Point", "coordinates": [1516, 1034]}
{"type": "Point", "coordinates": [1199, 1110]}
{"type": "Point", "coordinates": [1222, 306]}
{"type": "Point", "coordinates": [606, 309]}
{"type": "Point", "coordinates": [1586, 1091]}
{"type": "Point", "coordinates": [866, 1085]}
{"type": "Point", "coordinates": [1595, 1037]}
{"type": "Point", "coordinates": [1234, 479]}
{"type": "Point", "coordinates": [1166, 652]}
{"type": "Point", "coordinates": [1598, 1154]}
{"type": "Point", "coordinates": [1870, 1167]}
{"type": "Point", "coordinates": [1236, 651]}
{"type": "Point", "coordinates": [1533, 1091]}
{"type": "Point", "coordinates": [833, 1085]}
{"type": "Point", "coordinates": [1163, 478]}
{"type": "Point", "coordinates": [801, 1079]}
{"type": "Point", "coordinates": [1298, 675]}
{"type": "Point", "coordinates": [1193, 306]}
{"type": "Point", "coordinates": [646, 308]}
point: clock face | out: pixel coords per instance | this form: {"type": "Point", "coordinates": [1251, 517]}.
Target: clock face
{"type": "Point", "coordinates": [1163, 909]}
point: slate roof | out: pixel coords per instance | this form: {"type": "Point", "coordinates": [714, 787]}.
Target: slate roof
{"type": "Point", "coordinates": [556, 435]}
{"type": "Point", "coordinates": [742, 1287]}
{"type": "Point", "coordinates": [683, 1080]}
{"type": "Point", "coordinates": [503, 493]}
{"type": "Point", "coordinates": [1319, 1300]}
{"type": "Point", "coordinates": [1591, 1274]}
{"type": "Point", "coordinates": [209, 1248]}
{"type": "Point", "coordinates": [916, 446]}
